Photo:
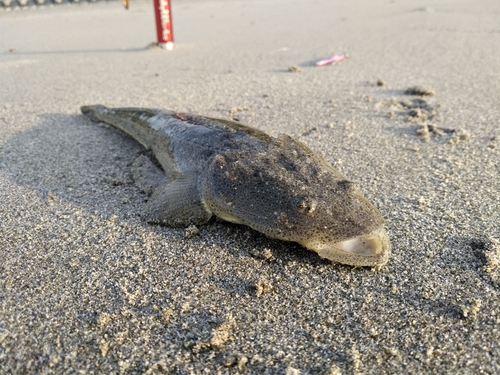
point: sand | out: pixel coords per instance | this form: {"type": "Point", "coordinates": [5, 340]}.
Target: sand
{"type": "Point", "coordinates": [87, 287]}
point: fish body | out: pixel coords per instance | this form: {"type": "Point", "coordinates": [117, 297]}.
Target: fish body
{"type": "Point", "coordinates": [277, 186]}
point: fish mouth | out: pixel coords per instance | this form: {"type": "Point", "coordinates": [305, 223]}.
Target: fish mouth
{"type": "Point", "coordinates": [371, 249]}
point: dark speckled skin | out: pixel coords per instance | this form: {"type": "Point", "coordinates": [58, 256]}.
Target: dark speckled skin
{"type": "Point", "coordinates": [277, 186]}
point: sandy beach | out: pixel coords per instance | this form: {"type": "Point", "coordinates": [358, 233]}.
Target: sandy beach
{"type": "Point", "coordinates": [87, 287]}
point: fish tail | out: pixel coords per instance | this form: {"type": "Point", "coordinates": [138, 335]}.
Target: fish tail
{"type": "Point", "coordinates": [133, 121]}
{"type": "Point", "coordinates": [94, 112]}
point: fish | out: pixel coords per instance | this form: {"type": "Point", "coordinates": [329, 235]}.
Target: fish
{"type": "Point", "coordinates": [275, 185]}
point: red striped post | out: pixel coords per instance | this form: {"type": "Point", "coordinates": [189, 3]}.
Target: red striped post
{"type": "Point", "coordinates": [164, 30]}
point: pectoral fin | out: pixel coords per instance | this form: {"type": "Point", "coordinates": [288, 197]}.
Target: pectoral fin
{"type": "Point", "coordinates": [177, 203]}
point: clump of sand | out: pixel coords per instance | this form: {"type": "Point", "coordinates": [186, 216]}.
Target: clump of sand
{"type": "Point", "coordinates": [420, 91]}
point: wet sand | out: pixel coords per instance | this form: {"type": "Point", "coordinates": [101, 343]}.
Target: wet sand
{"type": "Point", "coordinates": [86, 286]}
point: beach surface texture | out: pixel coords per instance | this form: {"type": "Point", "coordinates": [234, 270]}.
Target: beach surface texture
{"type": "Point", "coordinates": [411, 115]}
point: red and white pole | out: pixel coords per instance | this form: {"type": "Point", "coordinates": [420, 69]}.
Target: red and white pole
{"type": "Point", "coordinates": [164, 30]}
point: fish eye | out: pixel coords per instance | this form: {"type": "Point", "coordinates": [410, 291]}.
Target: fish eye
{"type": "Point", "coordinates": [305, 205]}
{"type": "Point", "coordinates": [299, 202]}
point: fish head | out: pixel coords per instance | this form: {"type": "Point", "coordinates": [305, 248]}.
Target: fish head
{"type": "Point", "coordinates": [292, 194]}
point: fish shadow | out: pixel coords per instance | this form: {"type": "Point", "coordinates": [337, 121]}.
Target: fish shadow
{"type": "Point", "coordinates": [251, 243]}
{"type": "Point", "coordinates": [66, 157]}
